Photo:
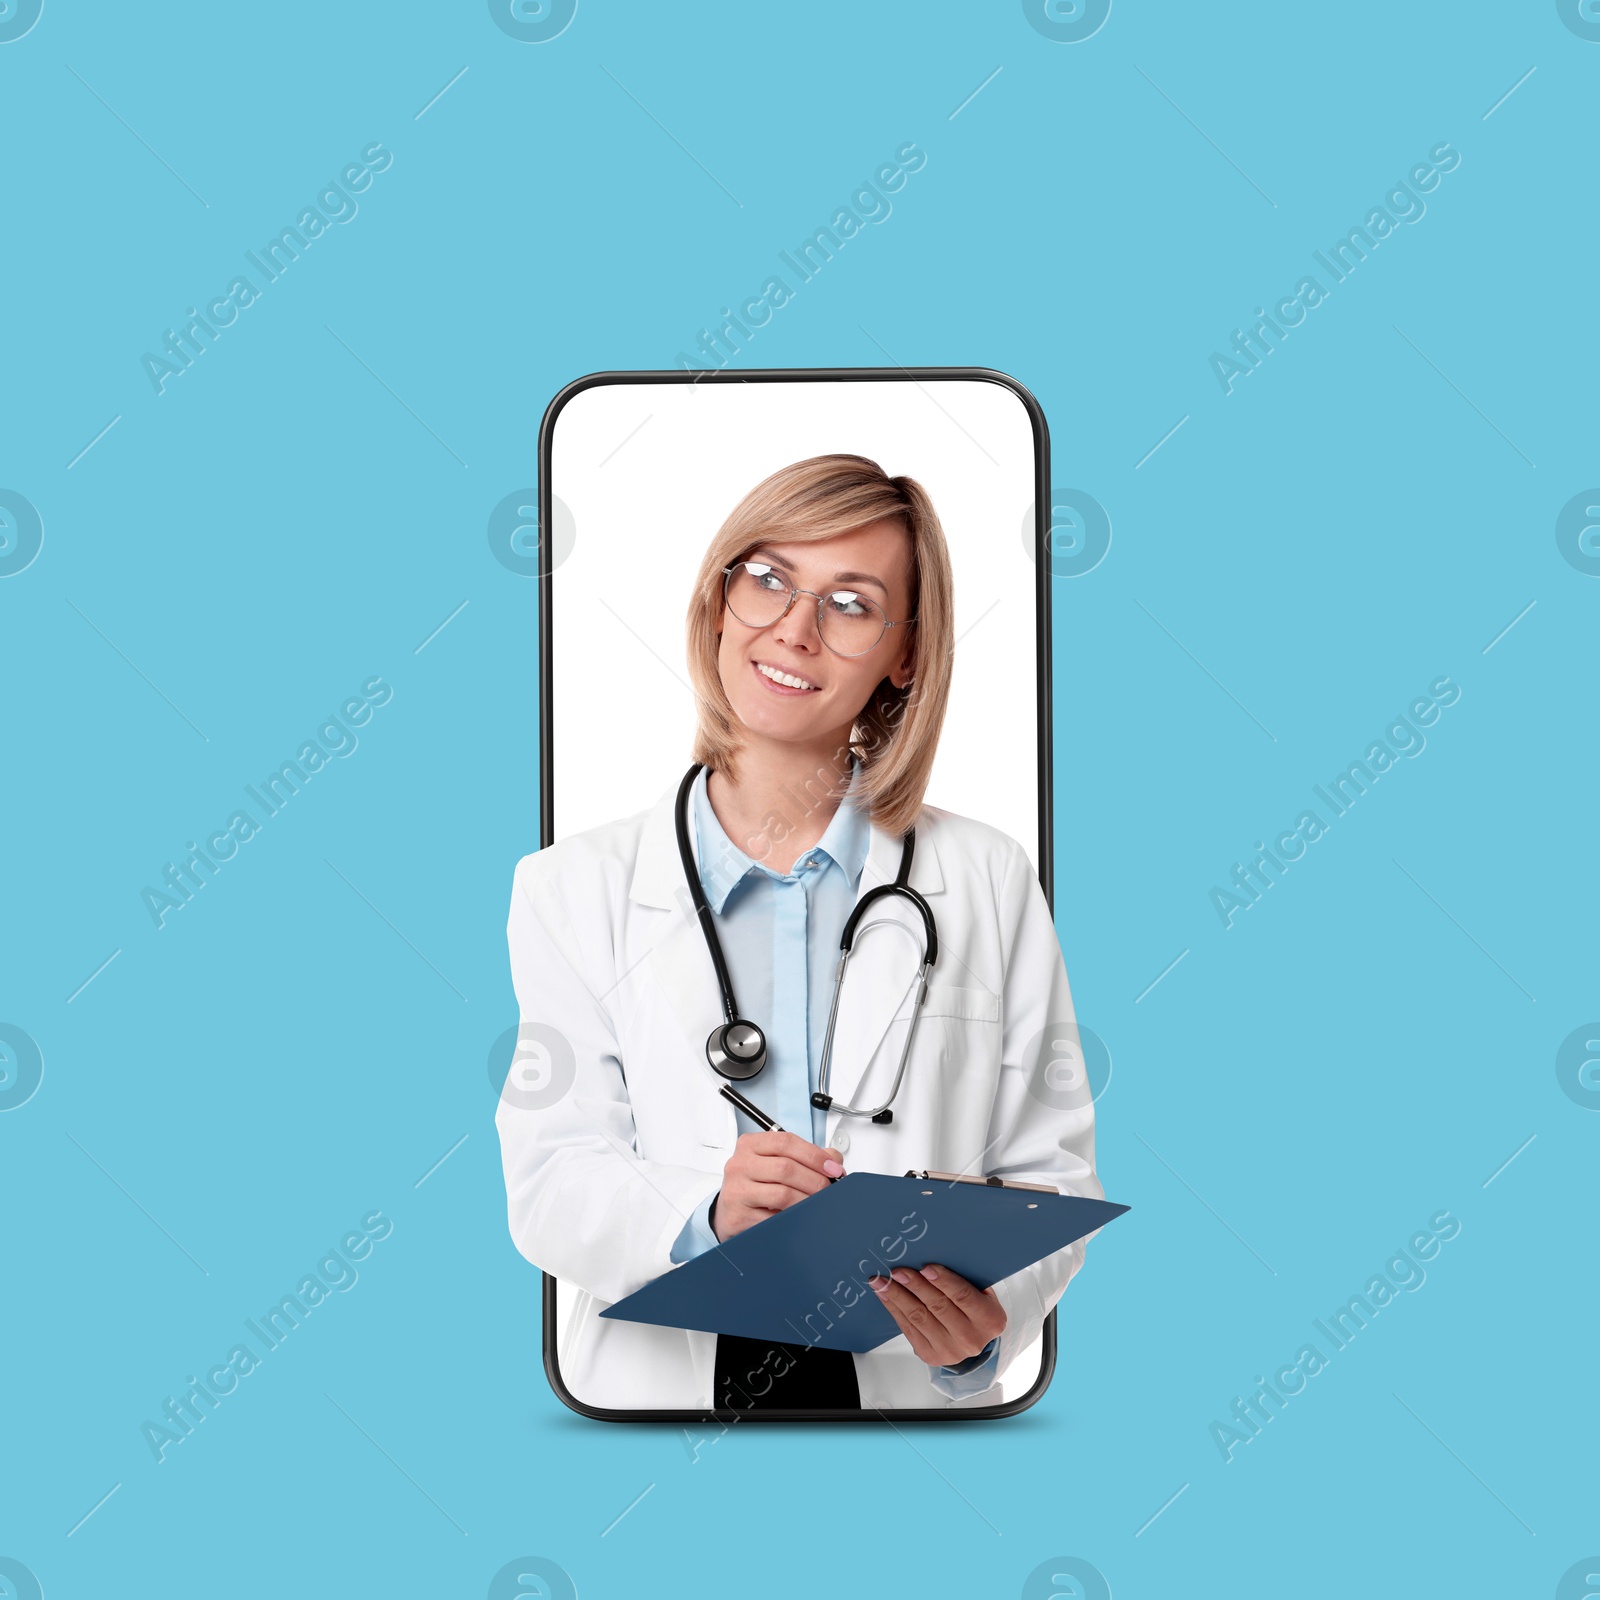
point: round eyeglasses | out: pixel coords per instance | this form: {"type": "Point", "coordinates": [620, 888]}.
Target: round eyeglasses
{"type": "Point", "coordinates": [849, 623]}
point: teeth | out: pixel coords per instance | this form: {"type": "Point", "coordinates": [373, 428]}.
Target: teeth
{"type": "Point", "coordinates": [782, 677]}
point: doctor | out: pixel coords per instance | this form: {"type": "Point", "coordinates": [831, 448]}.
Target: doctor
{"type": "Point", "coordinates": [820, 644]}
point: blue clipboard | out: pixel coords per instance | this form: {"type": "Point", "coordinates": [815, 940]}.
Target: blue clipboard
{"type": "Point", "coordinates": [801, 1276]}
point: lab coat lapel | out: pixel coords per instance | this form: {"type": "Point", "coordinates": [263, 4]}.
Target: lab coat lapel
{"type": "Point", "coordinates": [673, 958]}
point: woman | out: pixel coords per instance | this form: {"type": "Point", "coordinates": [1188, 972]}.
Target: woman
{"type": "Point", "coordinates": [820, 646]}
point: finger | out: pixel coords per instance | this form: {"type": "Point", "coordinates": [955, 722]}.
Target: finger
{"type": "Point", "coordinates": [767, 1196]}
{"type": "Point", "coordinates": [775, 1143]}
{"type": "Point", "coordinates": [915, 1337]}
{"type": "Point", "coordinates": [784, 1170]}
{"type": "Point", "coordinates": [982, 1310]}
{"type": "Point", "coordinates": [928, 1335]}
{"type": "Point", "coordinates": [958, 1327]}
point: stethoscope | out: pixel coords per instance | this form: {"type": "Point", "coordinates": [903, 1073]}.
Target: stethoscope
{"type": "Point", "coordinates": [738, 1048]}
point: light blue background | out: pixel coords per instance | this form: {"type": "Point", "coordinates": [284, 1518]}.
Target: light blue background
{"type": "Point", "coordinates": [305, 1041]}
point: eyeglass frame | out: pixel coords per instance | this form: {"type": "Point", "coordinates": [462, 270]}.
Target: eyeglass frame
{"type": "Point", "coordinates": [795, 591]}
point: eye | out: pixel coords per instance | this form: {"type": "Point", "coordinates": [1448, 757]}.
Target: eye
{"type": "Point", "coordinates": [765, 577]}
{"type": "Point", "coordinates": [847, 603]}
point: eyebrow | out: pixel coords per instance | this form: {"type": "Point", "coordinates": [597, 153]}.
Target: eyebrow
{"type": "Point", "coordinates": [774, 560]}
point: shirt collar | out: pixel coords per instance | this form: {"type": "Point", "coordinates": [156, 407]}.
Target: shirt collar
{"type": "Point", "coordinates": [723, 864]}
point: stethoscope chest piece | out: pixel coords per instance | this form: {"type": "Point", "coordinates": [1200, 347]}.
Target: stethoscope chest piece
{"type": "Point", "coordinates": [737, 1050]}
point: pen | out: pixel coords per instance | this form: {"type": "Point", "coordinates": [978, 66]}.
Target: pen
{"type": "Point", "coordinates": [756, 1114]}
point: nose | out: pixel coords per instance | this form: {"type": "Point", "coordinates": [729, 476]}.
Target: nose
{"type": "Point", "coordinates": [798, 626]}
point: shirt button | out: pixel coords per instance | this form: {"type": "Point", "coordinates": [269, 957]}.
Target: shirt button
{"type": "Point", "coordinates": [841, 1141]}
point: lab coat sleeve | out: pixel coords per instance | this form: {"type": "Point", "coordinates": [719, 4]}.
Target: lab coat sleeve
{"type": "Point", "coordinates": [582, 1204]}
{"type": "Point", "coordinates": [1042, 1123]}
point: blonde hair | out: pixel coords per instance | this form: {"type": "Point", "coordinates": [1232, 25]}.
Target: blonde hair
{"type": "Point", "coordinates": [896, 733]}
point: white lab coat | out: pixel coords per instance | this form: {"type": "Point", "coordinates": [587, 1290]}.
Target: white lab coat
{"type": "Point", "coordinates": [626, 1132]}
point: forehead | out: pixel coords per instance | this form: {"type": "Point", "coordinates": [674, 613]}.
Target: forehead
{"type": "Point", "coordinates": [880, 550]}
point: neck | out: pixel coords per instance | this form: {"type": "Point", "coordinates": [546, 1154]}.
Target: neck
{"type": "Point", "coordinates": [783, 800]}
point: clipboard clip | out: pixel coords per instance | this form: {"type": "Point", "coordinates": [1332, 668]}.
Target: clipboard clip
{"type": "Point", "coordinates": [988, 1183]}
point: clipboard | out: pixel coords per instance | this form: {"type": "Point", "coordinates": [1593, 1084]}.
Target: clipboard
{"type": "Point", "coordinates": [800, 1277]}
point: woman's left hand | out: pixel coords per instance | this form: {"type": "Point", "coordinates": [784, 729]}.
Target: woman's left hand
{"type": "Point", "coordinates": [940, 1313]}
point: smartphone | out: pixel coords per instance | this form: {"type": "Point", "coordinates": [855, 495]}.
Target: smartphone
{"type": "Point", "coordinates": [637, 473]}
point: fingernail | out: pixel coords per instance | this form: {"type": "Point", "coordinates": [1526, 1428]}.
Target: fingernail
{"type": "Point", "coordinates": [877, 1285]}
{"type": "Point", "coordinates": [930, 1273]}
{"type": "Point", "coordinates": [900, 1275]}
{"type": "Point", "coordinates": [834, 1169]}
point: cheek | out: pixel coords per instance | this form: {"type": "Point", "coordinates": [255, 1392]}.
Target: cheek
{"type": "Point", "coordinates": [857, 689]}
{"type": "Point", "coordinates": [730, 665]}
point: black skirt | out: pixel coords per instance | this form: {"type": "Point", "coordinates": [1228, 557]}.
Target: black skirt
{"type": "Point", "coordinates": [765, 1375]}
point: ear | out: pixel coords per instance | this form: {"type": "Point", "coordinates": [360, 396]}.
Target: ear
{"type": "Point", "coordinates": [903, 672]}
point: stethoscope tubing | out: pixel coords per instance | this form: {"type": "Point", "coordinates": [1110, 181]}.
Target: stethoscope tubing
{"type": "Point", "coordinates": [697, 893]}
{"type": "Point", "coordinates": [716, 1051]}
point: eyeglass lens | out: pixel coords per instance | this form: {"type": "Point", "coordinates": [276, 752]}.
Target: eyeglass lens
{"type": "Point", "coordinates": [850, 623]}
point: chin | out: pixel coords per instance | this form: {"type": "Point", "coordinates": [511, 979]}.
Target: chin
{"type": "Point", "coordinates": [776, 722]}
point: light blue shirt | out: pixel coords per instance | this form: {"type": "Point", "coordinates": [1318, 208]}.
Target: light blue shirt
{"type": "Point", "coordinates": [780, 936]}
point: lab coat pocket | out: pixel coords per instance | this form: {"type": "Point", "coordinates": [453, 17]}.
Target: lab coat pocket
{"type": "Point", "coordinates": [951, 1000]}
{"type": "Point", "coordinates": [960, 1031]}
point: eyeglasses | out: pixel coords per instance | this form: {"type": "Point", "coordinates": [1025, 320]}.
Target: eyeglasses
{"type": "Point", "coordinates": [848, 622]}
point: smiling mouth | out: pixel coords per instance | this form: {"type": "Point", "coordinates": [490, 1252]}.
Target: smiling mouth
{"type": "Point", "coordinates": [788, 682]}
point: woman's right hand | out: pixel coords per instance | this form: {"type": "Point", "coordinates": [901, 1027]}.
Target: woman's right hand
{"type": "Point", "coordinates": [766, 1173]}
